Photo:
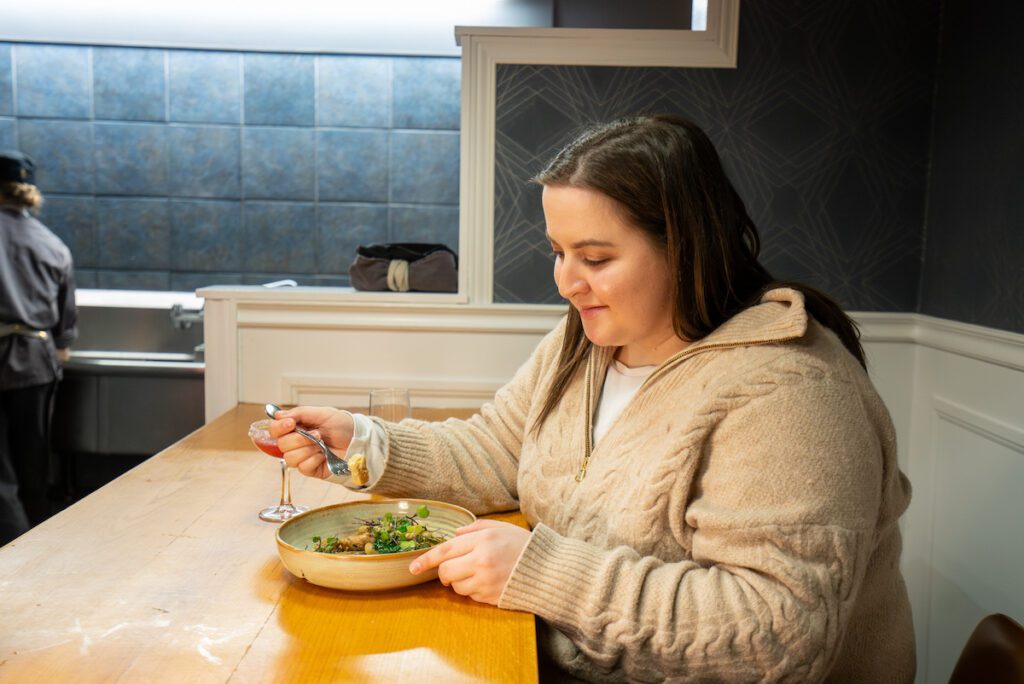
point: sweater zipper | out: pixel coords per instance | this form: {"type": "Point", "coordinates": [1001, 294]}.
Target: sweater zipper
{"type": "Point", "coordinates": [588, 437]}
{"type": "Point", "coordinates": [672, 360]}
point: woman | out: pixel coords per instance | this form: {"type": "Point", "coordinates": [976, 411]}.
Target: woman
{"type": "Point", "coordinates": [710, 477]}
{"type": "Point", "coordinates": [37, 326]}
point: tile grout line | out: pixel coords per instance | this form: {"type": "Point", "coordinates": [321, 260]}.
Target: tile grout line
{"type": "Point", "coordinates": [389, 233]}
{"type": "Point", "coordinates": [317, 237]}
{"type": "Point", "coordinates": [242, 198]}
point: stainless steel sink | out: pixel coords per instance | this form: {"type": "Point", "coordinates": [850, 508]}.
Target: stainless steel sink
{"type": "Point", "coordinates": [157, 364]}
{"type": "Point", "coordinates": [133, 386]}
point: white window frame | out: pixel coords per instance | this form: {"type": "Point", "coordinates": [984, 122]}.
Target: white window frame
{"type": "Point", "coordinates": [484, 48]}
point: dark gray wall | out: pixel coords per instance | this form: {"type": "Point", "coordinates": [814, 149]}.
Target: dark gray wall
{"type": "Point", "coordinates": [824, 128]}
{"type": "Point", "coordinates": [974, 254]}
{"type": "Point", "coordinates": [635, 14]}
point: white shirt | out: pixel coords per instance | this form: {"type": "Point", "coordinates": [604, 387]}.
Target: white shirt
{"type": "Point", "coordinates": [620, 384]}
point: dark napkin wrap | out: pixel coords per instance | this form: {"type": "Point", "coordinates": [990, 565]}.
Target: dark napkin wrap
{"type": "Point", "coordinates": [432, 267]}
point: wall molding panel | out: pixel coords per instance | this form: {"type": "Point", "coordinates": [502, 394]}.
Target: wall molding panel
{"type": "Point", "coordinates": [967, 526]}
{"type": "Point", "coordinates": [983, 426]}
{"type": "Point", "coordinates": [963, 551]}
{"type": "Point", "coordinates": [436, 392]}
{"type": "Point", "coordinates": [989, 345]}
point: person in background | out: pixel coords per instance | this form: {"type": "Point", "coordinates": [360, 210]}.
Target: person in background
{"type": "Point", "coordinates": [37, 325]}
{"type": "Point", "coordinates": [710, 476]}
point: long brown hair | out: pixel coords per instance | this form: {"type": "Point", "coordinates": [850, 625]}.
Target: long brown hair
{"type": "Point", "coordinates": [665, 173]}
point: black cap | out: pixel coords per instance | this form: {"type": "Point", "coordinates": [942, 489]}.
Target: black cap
{"type": "Point", "coordinates": [16, 167]}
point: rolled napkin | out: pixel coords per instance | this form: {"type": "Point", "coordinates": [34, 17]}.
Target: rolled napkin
{"type": "Point", "coordinates": [405, 266]}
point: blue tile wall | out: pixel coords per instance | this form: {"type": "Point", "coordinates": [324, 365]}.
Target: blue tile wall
{"type": "Point", "coordinates": [262, 278]}
{"type": "Point", "coordinates": [133, 233]}
{"type": "Point", "coordinates": [427, 93]}
{"type": "Point", "coordinates": [187, 282]}
{"type": "Point", "coordinates": [424, 224]}
{"type": "Point", "coordinates": [134, 280]}
{"type": "Point", "coordinates": [73, 219]}
{"type": "Point", "coordinates": [185, 168]}
{"type": "Point", "coordinates": [424, 167]}
{"type": "Point", "coordinates": [6, 82]}
{"type": "Point", "coordinates": [279, 90]}
{"type": "Point", "coordinates": [53, 81]}
{"type": "Point", "coordinates": [205, 87]}
{"type": "Point", "coordinates": [205, 161]}
{"type": "Point", "coordinates": [279, 163]}
{"type": "Point", "coordinates": [278, 237]}
{"type": "Point", "coordinates": [129, 84]}
{"type": "Point", "coordinates": [86, 277]}
{"type": "Point", "coordinates": [207, 236]}
{"type": "Point", "coordinates": [131, 158]}
{"type": "Point", "coordinates": [349, 92]}
{"type": "Point", "coordinates": [66, 147]}
{"type": "Point", "coordinates": [352, 165]}
{"type": "Point", "coordinates": [341, 228]}
{"type": "Point", "coordinates": [7, 134]}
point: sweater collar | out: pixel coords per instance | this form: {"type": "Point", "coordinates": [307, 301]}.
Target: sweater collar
{"type": "Point", "coordinates": [780, 316]}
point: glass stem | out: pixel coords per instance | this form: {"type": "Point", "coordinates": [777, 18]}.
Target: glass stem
{"type": "Point", "coordinates": [286, 485]}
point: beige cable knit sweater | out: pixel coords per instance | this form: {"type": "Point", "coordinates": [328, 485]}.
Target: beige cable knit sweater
{"type": "Point", "coordinates": [738, 522]}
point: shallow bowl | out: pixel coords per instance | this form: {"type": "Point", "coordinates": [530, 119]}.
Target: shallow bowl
{"type": "Point", "coordinates": [360, 572]}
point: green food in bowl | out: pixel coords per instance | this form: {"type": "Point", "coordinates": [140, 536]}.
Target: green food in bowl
{"type": "Point", "coordinates": [385, 534]}
{"type": "Point", "coordinates": [361, 571]}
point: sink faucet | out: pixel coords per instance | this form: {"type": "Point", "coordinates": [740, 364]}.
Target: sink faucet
{"type": "Point", "coordinates": [182, 318]}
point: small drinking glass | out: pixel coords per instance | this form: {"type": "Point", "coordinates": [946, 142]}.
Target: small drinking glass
{"type": "Point", "coordinates": [391, 405]}
{"type": "Point", "coordinates": [260, 435]}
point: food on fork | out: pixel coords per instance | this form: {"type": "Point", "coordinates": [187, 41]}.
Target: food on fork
{"type": "Point", "coordinates": [358, 470]}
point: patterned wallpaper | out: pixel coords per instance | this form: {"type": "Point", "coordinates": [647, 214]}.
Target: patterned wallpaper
{"type": "Point", "coordinates": [823, 127]}
{"type": "Point", "coordinates": [174, 169]}
{"type": "Point", "coordinates": [974, 246]}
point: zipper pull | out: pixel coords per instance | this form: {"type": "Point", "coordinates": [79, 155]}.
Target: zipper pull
{"type": "Point", "coordinates": [583, 470]}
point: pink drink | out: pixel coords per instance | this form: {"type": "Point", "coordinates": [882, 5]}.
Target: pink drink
{"type": "Point", "coordinates": [267, 445]}
{"type": "Point", "coordinates": [261, 439]}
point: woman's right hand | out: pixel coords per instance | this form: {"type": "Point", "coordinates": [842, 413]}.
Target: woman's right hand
{"type": "Point", "coordinates": [334, 427]}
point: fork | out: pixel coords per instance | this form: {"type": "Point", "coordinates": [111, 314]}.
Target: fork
{"type": "Point", "coordinates": [336, 465]}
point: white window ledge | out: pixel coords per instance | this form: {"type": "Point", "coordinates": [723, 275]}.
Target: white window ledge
{"type": "Point", "coordinates": [136, 299]}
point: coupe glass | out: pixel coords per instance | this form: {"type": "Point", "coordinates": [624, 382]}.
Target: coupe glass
{"type": "Point", "coordinates": [261, 439]}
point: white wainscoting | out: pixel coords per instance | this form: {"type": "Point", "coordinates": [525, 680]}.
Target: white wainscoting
{"type": "Point", "coordinates": [955, 392]}
{"type": "Point", "coordinates": [293, 346]}
{"type": "Point", "coordinates": [964, 545]}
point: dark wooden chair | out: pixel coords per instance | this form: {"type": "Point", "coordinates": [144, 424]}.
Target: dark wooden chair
{"type": "Point", "coordinates": [994, 653]}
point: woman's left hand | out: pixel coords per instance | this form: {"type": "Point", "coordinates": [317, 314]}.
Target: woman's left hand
{"type": "Point", "coordinates": [478, 561]}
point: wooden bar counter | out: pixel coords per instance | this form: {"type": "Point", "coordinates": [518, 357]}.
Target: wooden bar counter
{"type": "Point", "coordinates": [167, 575]}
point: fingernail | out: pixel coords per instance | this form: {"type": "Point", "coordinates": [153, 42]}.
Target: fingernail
{"type": "Point", "coordinates": [414, 568]}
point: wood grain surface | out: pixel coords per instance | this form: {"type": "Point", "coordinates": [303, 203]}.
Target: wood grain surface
{"type": "Point", "coordinates": [167, 575]}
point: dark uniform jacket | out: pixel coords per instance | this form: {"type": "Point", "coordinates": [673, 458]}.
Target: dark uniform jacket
{"type": "Point", "coordinates": [37, 292]}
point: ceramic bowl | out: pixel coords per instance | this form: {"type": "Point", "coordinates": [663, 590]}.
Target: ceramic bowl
{"type": "Point", "coordinates": [359, 572]}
